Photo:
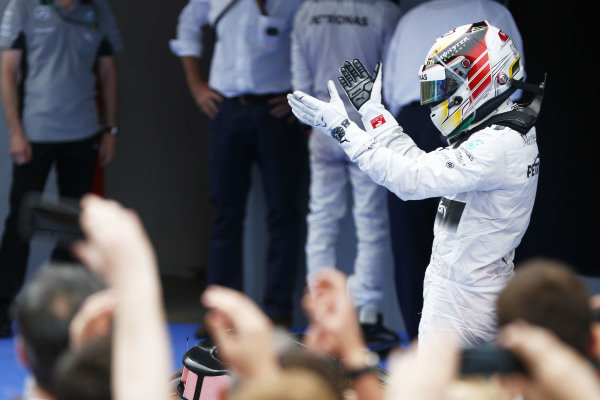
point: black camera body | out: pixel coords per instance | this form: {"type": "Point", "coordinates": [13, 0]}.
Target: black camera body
{"type": "Point", "coordinates": [57, 218]}
{"type": "Point", "coordinates": [487, 360]}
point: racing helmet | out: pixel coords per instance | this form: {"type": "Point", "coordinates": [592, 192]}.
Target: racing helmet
{"type": "Point", "coordinates": [467, 76]}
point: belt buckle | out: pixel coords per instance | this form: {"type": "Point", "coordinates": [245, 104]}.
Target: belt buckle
{"type": "Point", "coordinates": [243, 100]}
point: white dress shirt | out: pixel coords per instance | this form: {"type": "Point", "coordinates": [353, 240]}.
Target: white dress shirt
{"type": "Point", "coordinates": [328, 32]}
{"type": "Point", "coordinates": [252, 54]}
{"type": "Point", "coordinates": [416, 32]}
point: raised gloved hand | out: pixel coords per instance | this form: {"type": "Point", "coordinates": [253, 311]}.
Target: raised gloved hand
{"type": "Point", "coordinates": [359, 85]}
{"type": "Point", "coordinates": [330, 118]}
{"type": "Point", "coordinates": [364, 92]}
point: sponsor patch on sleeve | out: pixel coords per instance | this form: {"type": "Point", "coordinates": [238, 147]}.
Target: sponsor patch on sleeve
{"type": "Point", "coordinates": [377, 121]}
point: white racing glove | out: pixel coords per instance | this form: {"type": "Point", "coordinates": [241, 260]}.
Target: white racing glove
{"type": "Point", "coordinates": [323, 116]}
{"type": "Point", "coordinates": [330, 118]}
{"type": "Point", "coordinates": [364, 93]}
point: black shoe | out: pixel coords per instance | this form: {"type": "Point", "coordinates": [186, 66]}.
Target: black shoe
{"type": "Point", "coordinates": [378, 337]}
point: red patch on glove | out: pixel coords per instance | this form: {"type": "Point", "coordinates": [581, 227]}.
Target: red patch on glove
{"type": "Point", "coordinates": [377, 121]}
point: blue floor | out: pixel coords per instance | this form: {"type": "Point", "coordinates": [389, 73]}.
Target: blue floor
{"type": "Point", "coordinates": [12, 374]}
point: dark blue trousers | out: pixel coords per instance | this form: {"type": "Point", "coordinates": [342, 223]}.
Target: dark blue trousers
{"type": "Point", "coordinates": [241, 134]}
{"type": "Point", "coordinates": [411, 223]}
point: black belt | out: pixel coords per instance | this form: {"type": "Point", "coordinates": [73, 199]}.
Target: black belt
{"type": "Point", "coordinates": [255, 98]}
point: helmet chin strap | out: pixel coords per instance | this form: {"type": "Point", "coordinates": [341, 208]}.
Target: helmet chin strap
{"type": "Point", "coordinates": [521, 117]}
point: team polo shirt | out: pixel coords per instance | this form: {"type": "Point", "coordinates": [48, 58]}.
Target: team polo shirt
{"type": "Point", "coordinates": [60, 48]}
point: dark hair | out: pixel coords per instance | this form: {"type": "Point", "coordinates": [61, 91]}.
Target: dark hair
{"type": "Point", "coordinates": [84, 374]}
{"type": "Point", "coordinates": [43, 312]}
{"type": "Point", "coordinates": [548, 294]}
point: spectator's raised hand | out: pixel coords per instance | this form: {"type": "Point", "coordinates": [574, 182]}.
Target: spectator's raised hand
{"type": "Point", "coordinates": [116, 244]}
{"type": "Point", "coordinates": [117, 248]}
{"type": "Point", "coordinates": [595, 302]}
{"type": "Point", "coordinates": [334, 326]}
{"type": "Point", "coordinates": [242, 331]}
{"type": "Point", "coordinates": [94, 318]}
{"type": "Point", "coordinates": [555, 370]}
{"type": "Point", "coordinates": [424, 374]}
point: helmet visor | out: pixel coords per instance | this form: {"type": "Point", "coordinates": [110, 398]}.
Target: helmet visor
{"type": "Point", "coordinates": [437, 83]}
{"type": "Point", "coordinates": [435, 91]}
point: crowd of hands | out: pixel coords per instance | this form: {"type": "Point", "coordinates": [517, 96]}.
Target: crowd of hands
{"type": "Point", "coordinates": [117, 249]}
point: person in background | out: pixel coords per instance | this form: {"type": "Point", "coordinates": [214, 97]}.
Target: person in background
{"type": "Point", "coordinates": [547, 293]}
{"type": "Point", "coordinates": [62, 41]}
{"type": "Point", "coordinates": [84, 373]}
{"type": "Point", "coordinates": [43, 312]}
{"type": "Point", "coordinates": [250, 122]}
{"type": "Point", "coordinates": [325, 34]}
{"type": "Point", "coordinates": [411, 221]}
{"type": "Point", "coordinates": [554, 370]}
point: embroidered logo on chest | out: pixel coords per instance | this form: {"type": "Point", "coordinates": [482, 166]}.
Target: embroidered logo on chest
{"type": "Point", "coordinates": [42, 13]}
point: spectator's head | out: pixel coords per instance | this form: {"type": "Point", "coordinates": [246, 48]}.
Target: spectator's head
{"type": "Point", "coordinates": [84, 373]}
{"type": "Point", "coordinates": [43, 312]}
{"type": "Point", "coordinates": [325, 367]}
{"type": "Point", "coordinates": [477, 388]}
{"type": "Point", "coordinates": [291, 384]}
{"type": "Point", "coordinates": [548, 294]}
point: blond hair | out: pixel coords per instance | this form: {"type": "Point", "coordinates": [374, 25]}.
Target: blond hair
{"type": "Point", "coordinates": [291, 384]}
{"type": "Point", "coordinates": [476, 388]}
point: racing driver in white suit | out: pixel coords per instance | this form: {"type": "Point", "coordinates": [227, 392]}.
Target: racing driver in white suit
{"type": "Point", "coordinates": [487, 176]}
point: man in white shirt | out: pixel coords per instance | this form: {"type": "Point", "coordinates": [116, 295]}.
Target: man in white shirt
{"type": "Point", "coordinates": [410, 222]}
{"type": "Point", "coordinates": [325, 34]}
{"type": "Point", "coordinates": [249, 122]}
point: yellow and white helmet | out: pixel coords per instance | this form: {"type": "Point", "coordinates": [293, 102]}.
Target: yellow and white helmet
{"type": "Point", "coordinates": [467, 76]}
